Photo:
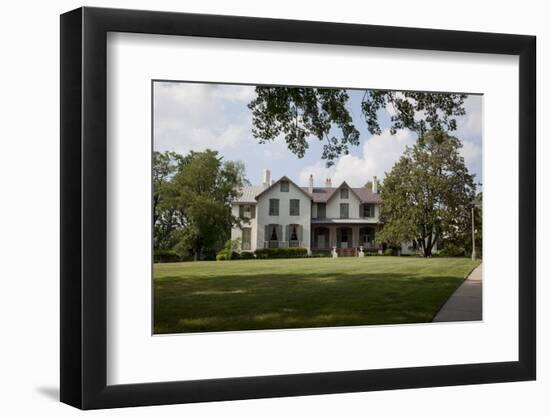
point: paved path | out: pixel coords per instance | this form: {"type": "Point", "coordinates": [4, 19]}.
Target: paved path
{"type": "Point", "coordinates": [465, 303]}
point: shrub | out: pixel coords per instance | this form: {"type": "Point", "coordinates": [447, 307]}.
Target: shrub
{"type": "Point", "coordinates": [388, 252]}
{"type": "Point", "coordinates": [221, 257]}
{"type": "Point", "coordinates": [275, 253]}
{"type": "Point", "coordinates": [165, 255]}
{"type": "Point", "coordinates": [229, 250]}
{"type": "Point", "coordinates": [451, 250]}
{"type": "Point", "coordinates": [247, 255]}
{"type": "Point", "coordinates": [321, 254]}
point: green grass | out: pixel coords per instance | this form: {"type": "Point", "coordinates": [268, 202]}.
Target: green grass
{"type": "Point", "coordinates": [298, 293]}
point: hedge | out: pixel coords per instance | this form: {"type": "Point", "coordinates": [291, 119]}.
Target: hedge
{"type": "Point", "coordinates": [272, 253]}
{"type": "Point", "coordinates": [163, 255]}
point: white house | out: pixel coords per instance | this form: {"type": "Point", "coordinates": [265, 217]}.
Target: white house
{"type": "Point", "coordinates": [282, 214]}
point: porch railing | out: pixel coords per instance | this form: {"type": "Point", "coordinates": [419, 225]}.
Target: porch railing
{"type": "Point", "coordinates": [274, 244]}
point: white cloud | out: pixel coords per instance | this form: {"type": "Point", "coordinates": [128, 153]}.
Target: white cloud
{"type": "Point", "coordinates": [199, 116]}
{"type": "Point", "coordinates": [379, 154]}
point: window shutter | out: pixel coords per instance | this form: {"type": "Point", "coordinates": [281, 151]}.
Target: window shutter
{"type": "Point", "coordinates": [266, 236]}
{"type": "Point", "coordinates": [241, 211]}
{"type": "Point", "coordinates": [300, 233]}
{"type": "Point", "coordinates": [279, 232]}
{"type": "Point", "coordinates": [287, 233]}
{"type": "Point", "coordinates": [252, 212]}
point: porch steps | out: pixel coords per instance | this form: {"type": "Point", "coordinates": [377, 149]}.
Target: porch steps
{"type": "Point", "coordinates": [346, 252]}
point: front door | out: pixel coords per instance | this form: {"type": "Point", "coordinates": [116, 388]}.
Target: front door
{"type": "Point", "coordinates": [344, 235]}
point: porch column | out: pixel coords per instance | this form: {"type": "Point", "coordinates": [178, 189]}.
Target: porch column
{"type": "Point", "coordinates": [355, 236]}
{"type": "Point", "coordinates": [332, 236]}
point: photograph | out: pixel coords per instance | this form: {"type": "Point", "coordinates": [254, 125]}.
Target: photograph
{"type": "Point", "coordinates": [285, 207]}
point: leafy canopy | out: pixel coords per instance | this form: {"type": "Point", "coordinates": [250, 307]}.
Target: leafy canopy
{"type": "Point", "coordinates": [196, 202]}
{"type": "Point", "coordinates": [428, 194]}
{"type": "Point", "coordinates": [299, 113]}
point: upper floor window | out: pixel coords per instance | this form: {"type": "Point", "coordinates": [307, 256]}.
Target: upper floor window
{"type": "Point", "coordinates": [368, 210]}
{"type": "Point", "coordinates": [321, 210]}
{"type": "Point", "coordinates": [344, 210]}
{"type": "Point", "coordinates": [247, 211]}
{"type": "Point", "coordinates": [344, 193]}
{"type": "Point", "coordinates": [284, 186]}
{"type": "Point", "coordinates": [294, 207]}
{"type": "Point", "coordinates": [273, 206]}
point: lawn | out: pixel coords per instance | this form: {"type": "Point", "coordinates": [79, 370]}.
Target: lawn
{"type": "Point", "coordinates": [298, 293]}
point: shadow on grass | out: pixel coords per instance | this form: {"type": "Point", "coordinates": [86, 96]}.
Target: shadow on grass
{"type": "Point", "coordinates": [273, 301]}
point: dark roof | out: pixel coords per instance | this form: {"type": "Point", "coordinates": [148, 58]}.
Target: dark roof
{"type": "Point", "coordinates": [323, 194]}
{"type": "Point", "coordinates": [319, 195]}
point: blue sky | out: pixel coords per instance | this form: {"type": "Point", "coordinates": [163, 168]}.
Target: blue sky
{"type": "Point", "coordinates": [196, 116]}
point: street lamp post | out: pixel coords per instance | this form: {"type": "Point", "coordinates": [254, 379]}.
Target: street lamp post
{"type": "Point", "coordinates": [473, 236]}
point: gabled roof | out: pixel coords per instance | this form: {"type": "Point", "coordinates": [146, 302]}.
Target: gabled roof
{"type": "Point", "coordinates": [344, 184]}
{"type": "Point", "coordinates": [324, 194]}
{"type": "Point", "coordinates": [283, 178]}
{"type": "Point", "coordinates": [250, 194]}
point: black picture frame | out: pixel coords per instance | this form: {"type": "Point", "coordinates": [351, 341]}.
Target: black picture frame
{"type": "Point", "coordinates": [84, 207]}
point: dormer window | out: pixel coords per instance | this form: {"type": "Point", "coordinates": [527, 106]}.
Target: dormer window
{"type": "Point", "coordinates": [284, 186]}
{"type": "Point", "coordinates": [344, 193]}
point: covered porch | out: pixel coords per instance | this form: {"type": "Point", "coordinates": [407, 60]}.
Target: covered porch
{"type": "Point", "coordinates": [348, 238]}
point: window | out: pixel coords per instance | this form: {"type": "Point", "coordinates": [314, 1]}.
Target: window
{"type": "Point", "coordinates": [321, 210]}
{"type": "Point", "coordinates": [294, 207]}
{"type": "Point", "coordinates": [344, 211]}
{"type": "Point", "coordinates": [284, 186]}
{"type": "Point", "coordinates": [294, 235]}
{"type": "Point", "coordinates": [368, 210]}
{"type": "Point", "coordinates": [273, 206]}
{"type": "Point", "coordinates": [344, 193]}
{"type": "Point", "coordinates": [246, 239]}
{"type": "Point", "coordinates": [247, 211]}
{"type": "Point", "coordinates": [273, 232]}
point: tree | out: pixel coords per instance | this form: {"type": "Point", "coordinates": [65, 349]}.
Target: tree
{"type": "Point", "coordinates": [428, 194]}
{"type": "Point", "coordinates": [203, 189]}
{"type": "Point", "coordinates": [165, 216]}
{"type": "Point", "coordinates": [300, 113]}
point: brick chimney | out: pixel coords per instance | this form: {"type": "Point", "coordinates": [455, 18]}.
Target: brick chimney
{"type": "Point", "coordinates": [328, 183]}
{"type": "Point", "coordinates": [375, 185]}
{"type": "Point", "coordinates": [266, 178]}
{"type": "Point", "coordinates": [310, 189]}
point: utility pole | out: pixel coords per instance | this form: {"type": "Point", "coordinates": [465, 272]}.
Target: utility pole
{"type": "Point", "coordinates": [473, 236]}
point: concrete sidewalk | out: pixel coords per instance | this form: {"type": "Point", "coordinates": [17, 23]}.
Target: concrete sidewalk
{"type": "Point", "coordinates": [465, 303]}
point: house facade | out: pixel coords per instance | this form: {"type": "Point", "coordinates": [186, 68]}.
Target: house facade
{"type": "Point", "coordinates": [280, 214]}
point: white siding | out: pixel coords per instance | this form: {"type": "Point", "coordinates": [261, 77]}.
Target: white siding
{"type": "Point", "coordinates": [252, 223]}
{"type": "Point", "coordinates": [333, 206]}
{"type": "Point", "coordinates": [284, 218]}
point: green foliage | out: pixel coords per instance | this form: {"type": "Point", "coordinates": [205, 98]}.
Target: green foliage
{"type": "Point", "coordinates": [299, 113]}
{"type": "Point", "coordinates": [271, 253]}
{"type": "Point", "coordinates": [230, 249]}
{"type": "Point", "coordinates": [221, 257]}
{"type": "Point", "coordinates": [389, 252]}
{"type": "Point", "coordinates": [164, 255]}
{"type": "Point", "coordinates": [451, 250]}
{"type": "Point", "coordinates": [192, 201]}
{"type": "Point", "coordinates": [247, 255]}
{"type": "Point", "coordinates": [165, 213]}
{"type": "Point", "coordinates": [427, 196]}
{"type": "Point", "coordinates": [420, 112]}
